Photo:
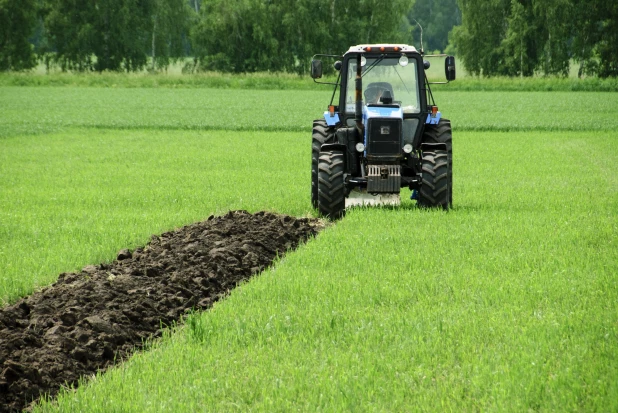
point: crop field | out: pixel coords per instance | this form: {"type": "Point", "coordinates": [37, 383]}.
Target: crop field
{"type": "Point", "coordinates": [34, 110]}
{"type": "Point", "coordinates": [507, 302]}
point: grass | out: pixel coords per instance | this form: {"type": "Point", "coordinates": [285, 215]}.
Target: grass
{"type": "Point", "coordinates": [140, 158]}
{"type": "Point", "coordinates": [265, 81]}
{"type": "Point", "coordinates": [74, 197]}
{"type": "Point", "coordinates": [529, 111]}
{"type": "Point", "coordinates": [46, 109]}
{"type": "Point", "coordinates": [173, 78]}
{"type": "Point", "coordinates": [507, 302]}
{"type": "Point", "coordinates": [486, 307]}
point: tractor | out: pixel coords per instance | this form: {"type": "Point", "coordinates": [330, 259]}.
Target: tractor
{"type": "Point", "coordinates": [384, 133]}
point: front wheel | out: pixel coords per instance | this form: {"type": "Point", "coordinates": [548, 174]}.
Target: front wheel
{"type": "Point", "coordinates": [321, 134]}
{"type": "Point", "coordinates": [436, 180]}
{"type": "Point", "coordinates": [331, 188]}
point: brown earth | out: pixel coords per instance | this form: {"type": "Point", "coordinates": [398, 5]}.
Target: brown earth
{"type": "Point", "coordinates": [87, 320]}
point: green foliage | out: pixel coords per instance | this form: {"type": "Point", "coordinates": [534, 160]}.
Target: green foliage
{"type": "Point", "coordinates": [523, 37]}
{"type": "Point", "coordinates": [596, 45]}
{"type": "Point", "coordinates": [170, 24]}
{"type": "Point", "coordinates": [518, 47]}
{"type": "Point", "coordinates": [17, 22]}
{"type": "Point", "coordinates": [555, 25]}
{"type": "Point", "coordinates": [115, 34]}
{"type": "Point", "coordinates": [437, 17]}
{"type": "Point", "coordinates": [70, 33]}
{"type": "Point", "coordinates": [253, 35]}
{"type": "Point", "coordinates": [479, 37]}
{"type": "Point", "coordinates": [491, 37]}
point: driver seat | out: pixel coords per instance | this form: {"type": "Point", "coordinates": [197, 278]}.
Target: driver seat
{"type": "Point", "coordinates": [378, 86]}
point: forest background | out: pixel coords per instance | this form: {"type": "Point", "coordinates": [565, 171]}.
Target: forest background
{"type": "Point", "coordinates": [490, 37]}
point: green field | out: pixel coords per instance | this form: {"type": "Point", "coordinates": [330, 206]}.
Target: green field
{"type": "Point", "coordinates": [507, 302]}
{"type": "Point", "coordinates": [35, 110]}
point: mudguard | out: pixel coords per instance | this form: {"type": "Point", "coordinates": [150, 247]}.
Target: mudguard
{"type": "Point", "coordinates": [433, 119]}
{"type": "Point", "coordinates": [331, 120]}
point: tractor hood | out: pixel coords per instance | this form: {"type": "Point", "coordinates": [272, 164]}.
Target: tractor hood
{"type": "Point", "coordinates": [383, 132]}
{"type": "Point", "coordinates": [378, 111]}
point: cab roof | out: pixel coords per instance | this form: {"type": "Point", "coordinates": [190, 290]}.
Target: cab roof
{"type": "Point", "coordinates": [384, 47]}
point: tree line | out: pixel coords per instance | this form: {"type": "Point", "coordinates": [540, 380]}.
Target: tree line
{"type": "Point", "coordinates": [225, 35]}
{"type": "Point", "coordinates": [521, 37]}
{"type": "Point", "coordinates": [491, 37]}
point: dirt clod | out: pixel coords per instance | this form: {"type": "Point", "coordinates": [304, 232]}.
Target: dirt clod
{"type": "Point", "coordinates": [86, 320]}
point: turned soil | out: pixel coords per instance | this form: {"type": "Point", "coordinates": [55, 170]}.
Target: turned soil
{"type": "Point", "coordinates": [87, 320]}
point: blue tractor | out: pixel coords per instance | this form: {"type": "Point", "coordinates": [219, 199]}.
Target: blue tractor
{"type": "Point", "coordinates": [384, 133]}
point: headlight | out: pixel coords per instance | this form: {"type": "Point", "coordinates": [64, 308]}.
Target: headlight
{"type": "Point", "coordinates": [407, 148]}
{"type": "Point", "coordinates": [360, 147]}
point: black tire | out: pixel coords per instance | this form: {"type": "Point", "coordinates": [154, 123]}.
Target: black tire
{"type": "Point", "coordinates": [434, 188]}
{"type": "Point", "coordinates": [442, 133]}
{"type": "Point", "coordinates": [331, 188]}
{"type": "Point", "coordinates": [322, 133]}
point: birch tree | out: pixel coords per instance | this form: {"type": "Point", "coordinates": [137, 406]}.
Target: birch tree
{"type": "Point", "coordinates": [17, 22]}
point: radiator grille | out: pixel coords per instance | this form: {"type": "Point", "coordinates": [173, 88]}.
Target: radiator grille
{"type": "Point", "coordinates": [384, 137]}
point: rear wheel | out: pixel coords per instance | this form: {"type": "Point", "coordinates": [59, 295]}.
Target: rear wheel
{"type": "Point", "coordinates": [331, 188]}
{"type": "Point", "coordinates": [434, 188]}
{"type": "Point", "coordinates": [322, 133]}
{"type": "Point", "coordinates": [442, 133]}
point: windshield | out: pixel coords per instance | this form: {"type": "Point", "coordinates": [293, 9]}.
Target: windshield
{"type": "Point", "coordinates": [385, 74]}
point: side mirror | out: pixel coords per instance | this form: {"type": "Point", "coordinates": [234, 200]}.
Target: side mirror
{"type": "Point", "coordinates": [316, 69]}
{"type": "Point", "coordinates": [449, 68]}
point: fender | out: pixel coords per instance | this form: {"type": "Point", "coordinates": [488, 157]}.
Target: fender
{"type": "Point", "coordinates": [331, 120]}
{"type": "Point", "coordinates": [433, 119]}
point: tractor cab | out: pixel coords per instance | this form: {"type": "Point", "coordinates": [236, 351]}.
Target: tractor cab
{"type": "Point", "coordinates": [378, 130]}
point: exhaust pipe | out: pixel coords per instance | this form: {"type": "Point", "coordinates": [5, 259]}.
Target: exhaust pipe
{"type": "Point", "coordinates": [359, 96]}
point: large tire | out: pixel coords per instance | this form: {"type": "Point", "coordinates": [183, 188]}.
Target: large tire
{"type": "Point", "coordinates": [442, 133]}
{"type": "Point", "coordinates": [331, 188]}
{"type": "Point", "coordinates": [322, 133]}
{"type": "Point", "coordinates": [434, 188]}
